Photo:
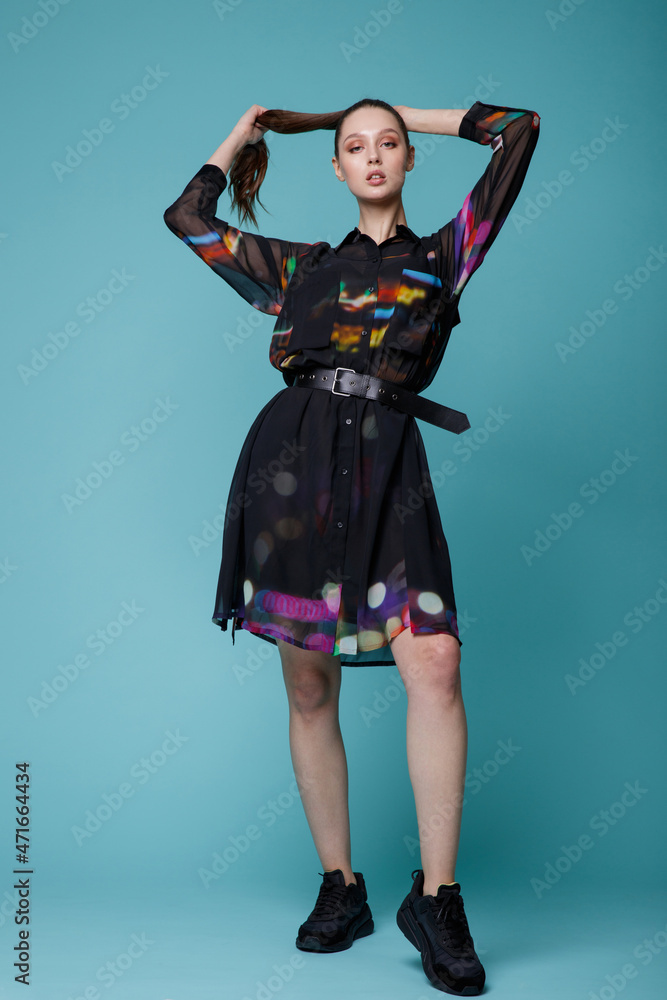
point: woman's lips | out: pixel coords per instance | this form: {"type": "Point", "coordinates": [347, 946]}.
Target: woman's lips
{"type": "Point", "coordinates": [376, 180]}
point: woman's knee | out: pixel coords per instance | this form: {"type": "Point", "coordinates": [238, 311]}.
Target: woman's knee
{"type": "Point", "coordinates": [311, 681]}
{"type": "Point", "coordinates": [430, 664]}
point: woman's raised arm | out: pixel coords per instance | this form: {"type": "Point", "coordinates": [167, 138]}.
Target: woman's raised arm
{"type": "Point", "coordinates": [259, 268]}
{"type": "Point", "coordinates": [512, 133]}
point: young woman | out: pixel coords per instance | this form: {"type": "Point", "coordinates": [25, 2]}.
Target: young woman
{"type": "Point", "coordinates": [333, 547]}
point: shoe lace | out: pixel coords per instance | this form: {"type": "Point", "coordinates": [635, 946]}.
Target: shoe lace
{"type": "Point", "coordinates": [329, 901]}
{"type": "Point", "coordinates": [450, 919]}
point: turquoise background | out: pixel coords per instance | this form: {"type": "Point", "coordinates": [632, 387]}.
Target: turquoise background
{"type": "Point", "coordinates": [527, 624]}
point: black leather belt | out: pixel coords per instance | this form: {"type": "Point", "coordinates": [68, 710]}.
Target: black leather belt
{"type": "Point", "coordinates": [347, 382]}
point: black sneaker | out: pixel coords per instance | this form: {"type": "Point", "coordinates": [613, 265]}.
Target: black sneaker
{"type": "Point", "coordinates": [438, 928]}
{"type": "Point", "coordinates": [340, 915]}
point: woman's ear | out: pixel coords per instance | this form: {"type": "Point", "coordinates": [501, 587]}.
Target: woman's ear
{"type": "Point", "coordinates": [337, 170]}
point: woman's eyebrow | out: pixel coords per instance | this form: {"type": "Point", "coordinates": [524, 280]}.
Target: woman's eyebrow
{"type": "Point", "coordinates": [359, 135]}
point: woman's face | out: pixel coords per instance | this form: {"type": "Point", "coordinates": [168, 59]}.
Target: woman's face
{"type": "Point", "coordinates": [370, 142]}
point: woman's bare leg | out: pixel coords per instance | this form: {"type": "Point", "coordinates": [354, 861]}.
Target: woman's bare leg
{"type": "Point", "coordinates": [312, 681]}
{"type": "Point", "coordinates": [437, 746]}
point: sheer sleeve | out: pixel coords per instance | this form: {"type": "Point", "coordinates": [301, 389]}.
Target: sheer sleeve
{"type": "Point", "coordinates": [259, 268]}
{"type": "Point", "coordinates": [463, 243]}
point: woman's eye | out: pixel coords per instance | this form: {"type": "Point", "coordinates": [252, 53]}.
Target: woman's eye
{"type": "Point", "coordinates": [386, 142]}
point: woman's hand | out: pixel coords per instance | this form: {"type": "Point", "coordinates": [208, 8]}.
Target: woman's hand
{"type": "Point", "coordinates": [246, 130]}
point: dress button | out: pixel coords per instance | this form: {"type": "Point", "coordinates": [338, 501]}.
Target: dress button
{"type": "Point", "coordinates": [340, 524]}
{"type": "Point", "coordinates": [348, 421]}
{"type": "Point", "coordinates": [371, 289]}
{"type": "Point", "coordinates": [364, 333]}
{"type": "Point", "coordinates": [343, 472]}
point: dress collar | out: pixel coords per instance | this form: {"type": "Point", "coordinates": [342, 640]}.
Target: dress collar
{"type": "Point", "coordinates": [355, 235]}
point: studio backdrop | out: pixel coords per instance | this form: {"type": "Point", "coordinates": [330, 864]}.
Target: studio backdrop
{"type": "Point", "coordinates": [152, 830]}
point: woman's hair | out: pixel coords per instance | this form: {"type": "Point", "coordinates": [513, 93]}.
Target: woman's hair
{"type": "Point", "coordinates": [249, 168]}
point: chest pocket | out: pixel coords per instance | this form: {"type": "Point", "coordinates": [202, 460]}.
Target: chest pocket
{"type": "Point", "coordinates": [418, 306]}
{"type": "Point", "coordinates": [311, 305]}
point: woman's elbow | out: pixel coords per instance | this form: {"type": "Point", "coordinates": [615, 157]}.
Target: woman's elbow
{"type": "Point", "coordinates": [171, 219]}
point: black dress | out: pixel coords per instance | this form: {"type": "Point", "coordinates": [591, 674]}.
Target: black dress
{"type": "Point", "coordinates": [332, 536]}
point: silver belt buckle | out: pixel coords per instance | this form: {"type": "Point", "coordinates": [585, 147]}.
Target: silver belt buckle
{"type": "Point", "coordinates": [336, 377]}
